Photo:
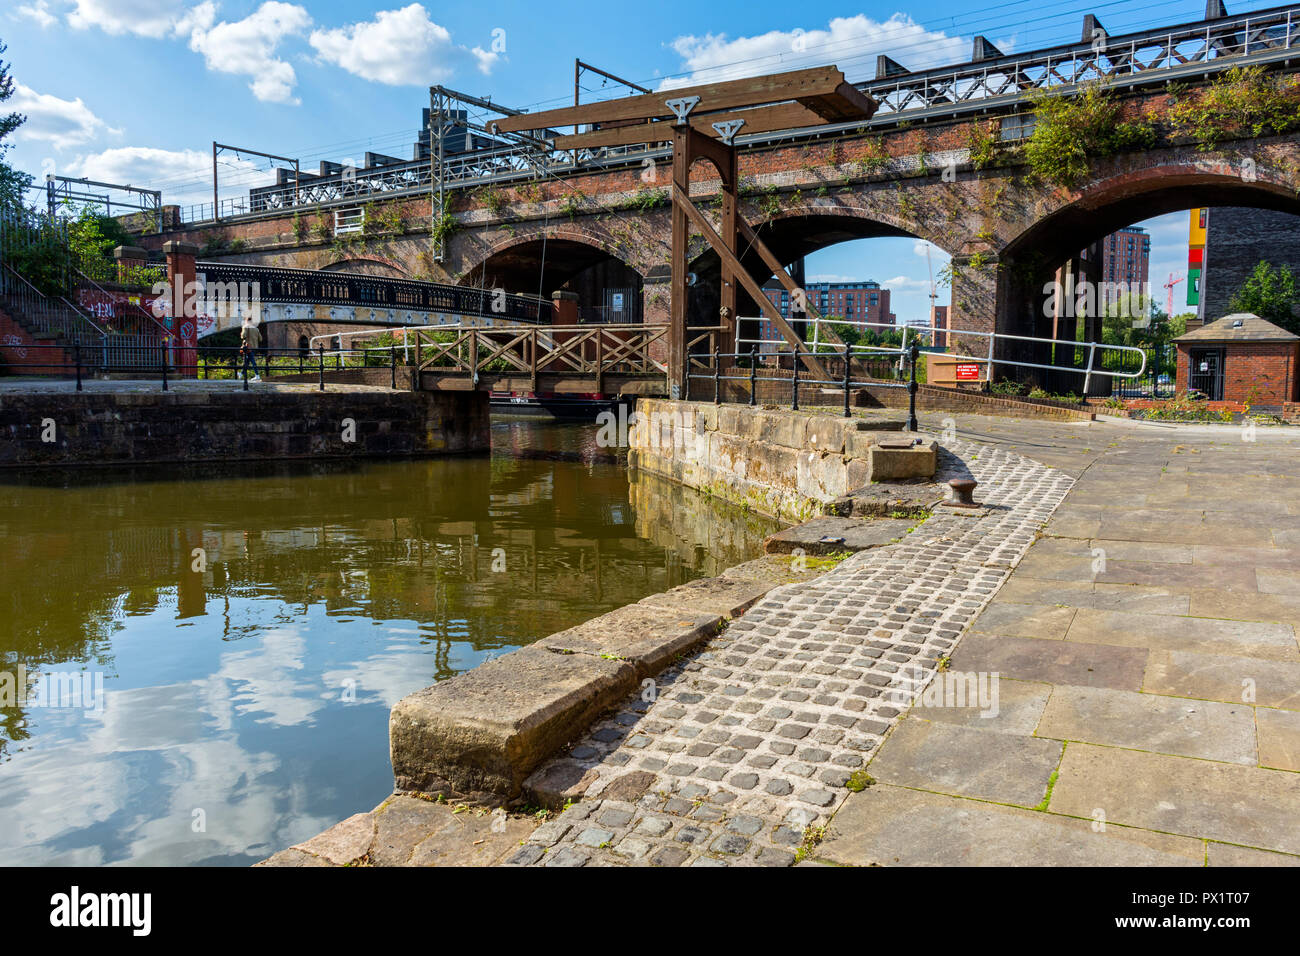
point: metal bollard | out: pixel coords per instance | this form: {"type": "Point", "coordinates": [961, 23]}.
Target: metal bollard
{"type": "Point", "coordinates": [321, 353]}
{"type": "Point", "coordinates": [753, 375]}
{"type": "Point", "coordinates": [717, 376]}
{"type": "Point", "coordinates": [162, 351]}
{"type": "Point", "coordinates": [913, 353]}
{"type": "Point", "coordinates": [392, 365]}
{"type": "Point", "coordinates": [794, 384]}
{"type": "Point", "coordinates": [848, 361]}
{"type": "Point", "coordinates": [76, 357]}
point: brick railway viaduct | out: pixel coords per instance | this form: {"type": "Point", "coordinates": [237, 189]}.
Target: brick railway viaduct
{"type": "Point", "coordinates": [955, 177]}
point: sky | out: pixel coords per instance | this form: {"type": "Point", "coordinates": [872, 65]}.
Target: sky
{"type": "Point", "coordinates": [136, 91]}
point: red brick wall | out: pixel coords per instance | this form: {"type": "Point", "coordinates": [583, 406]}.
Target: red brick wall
{"type": "Point", "coordinates": [16, 349]}
{"type": "Point", "coordinates": [1257, 373]}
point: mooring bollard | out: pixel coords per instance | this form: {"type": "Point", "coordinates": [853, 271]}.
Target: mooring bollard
{"type": "Point", "coordinates": [321, 353]}
{"type": "Point", "coordinates": [963, 490]}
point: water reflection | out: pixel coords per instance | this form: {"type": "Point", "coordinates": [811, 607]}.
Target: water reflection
{"type": "Point", "coordinates": [253, 626]}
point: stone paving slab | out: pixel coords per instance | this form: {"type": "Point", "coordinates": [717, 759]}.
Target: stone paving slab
{"type": "Point", "coordinates": [1208, 601]}
{"type": "Point", "coordinates": [1279, 738]}
{"type": "Point", "coordinates": [1170, 633]}
{"type": "Point", "coordinates": [1106, 597]}
{"type": "Point", "coordinates": [1025, 620]}
{"type": "Point", "coordinates": [1247, 806]}
{"type": "Point", "coordinates": [1055, 662]}
{"type": "Point", "coordinates": [828, 535]}
{"type": "Point", "coordinates": [712, 597]}
{"type": "Point", "coordinates": [1005, 768]}
{"type": "Point", "coordinates": [481, 734]}
{"type": "Point", "coordinates": [410, 831]}
{"type": "Point", "coordinates": [1225, 854]}
{"type": "Point", "coordinates": [1171, 725]}
{"type": "Point", "coordinates": [646, 636]}
{"type": "Point", "coordinates": [1224, 677]}
{"type": "Point", "coordinates": [1019, 707]}
{"type": "Point", "coordinates": [892, 826]}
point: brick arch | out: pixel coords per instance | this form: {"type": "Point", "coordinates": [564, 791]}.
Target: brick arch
{"type": "Point", "coordinates": [515, 262]}
{"type": "Point", "coordinates": [865, 217]}
{"type": "Point", "coordinates": [1061, 222]}
{"type": "Point", "coordinates": [564, 231]}
{"type": "Point", "coordinates": [799, 230]}
{"type": "Point", "coordinates": [1067, 221]}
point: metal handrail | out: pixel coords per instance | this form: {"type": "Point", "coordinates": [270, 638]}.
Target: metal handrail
{"type": "Point", "coordinates": [44, 311]}
{"type": "Point", "coordinates": [989, 360]}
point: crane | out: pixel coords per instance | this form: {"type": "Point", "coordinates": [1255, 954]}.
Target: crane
{"type": "Point", "coordinates": [1169, 288]}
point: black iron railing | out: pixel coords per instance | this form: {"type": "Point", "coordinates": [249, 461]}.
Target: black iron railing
{"type": "Point", "coordinates": [346, 289]}
{"type": "Point", "coordinates": [166, 365]}
{"type": "Point", "coordinates": [749, 369]}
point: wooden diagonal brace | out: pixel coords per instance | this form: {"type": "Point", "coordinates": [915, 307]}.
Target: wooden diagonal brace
{"type": "Point", "coordinates": [782, 276]}
{"type": "Point", "coordinates": [731, 262]}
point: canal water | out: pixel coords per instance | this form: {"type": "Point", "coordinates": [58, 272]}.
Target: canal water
{"type": "Point", "coordinates": [209, 656]}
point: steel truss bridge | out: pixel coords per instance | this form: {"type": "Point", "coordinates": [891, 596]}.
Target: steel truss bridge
{"type": "Point", "coordinates": [990, 83]}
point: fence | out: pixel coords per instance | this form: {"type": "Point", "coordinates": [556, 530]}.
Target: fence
{"type": "Point", "coordinates": [748, 378]}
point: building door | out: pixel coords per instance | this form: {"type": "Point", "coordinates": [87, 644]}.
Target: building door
{"type": "Point", "coordinates": [621, 306]}
{"type": "Point", "coordinates": [1205, 372]}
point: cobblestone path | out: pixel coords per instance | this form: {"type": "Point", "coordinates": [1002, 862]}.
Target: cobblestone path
{"type": "Point", "coordinates": [731, 754]}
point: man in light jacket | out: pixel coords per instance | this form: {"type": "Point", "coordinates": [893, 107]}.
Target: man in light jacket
{"type": "Point", "coordinates": [250, 338]}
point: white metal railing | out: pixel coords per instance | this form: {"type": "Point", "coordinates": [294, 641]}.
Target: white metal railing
{"type": "Point", "coordinates": [989, 360]}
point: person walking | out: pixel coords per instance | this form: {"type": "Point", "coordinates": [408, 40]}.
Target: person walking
{"type": "Point", "coordinates": [250, 338]}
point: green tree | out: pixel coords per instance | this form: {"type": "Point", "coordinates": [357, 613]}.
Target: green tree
{"type": "Point", "coordinates": [12, 182]}
{"type": "Point", "coordinates": [1269, 293]}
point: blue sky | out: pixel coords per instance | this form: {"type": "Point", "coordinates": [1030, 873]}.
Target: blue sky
{"type": "Point", "coordinates": [135, 91]}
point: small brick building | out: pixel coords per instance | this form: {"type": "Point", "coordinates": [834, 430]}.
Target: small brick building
{"type": "Point", "coordinates": [1240, 358]}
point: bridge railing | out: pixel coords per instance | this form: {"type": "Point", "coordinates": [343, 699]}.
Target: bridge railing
{"type": "Point", "coordinates": [1157, 55]}
{"type": "Point", "coordinates": [309, 286]}
{"type": "Point", "coordinates": [589, 351]}
{"type": "Point", "coordinates": [1160, 51]}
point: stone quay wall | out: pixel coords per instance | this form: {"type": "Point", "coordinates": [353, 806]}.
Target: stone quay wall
{"type": "Point", "coordinates": [123, 427]}
{"type": "Point", "coordinates": [791, 465]}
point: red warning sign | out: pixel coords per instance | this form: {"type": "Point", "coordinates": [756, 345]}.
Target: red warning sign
{"type": "Point", "coordinates": [968, 372]}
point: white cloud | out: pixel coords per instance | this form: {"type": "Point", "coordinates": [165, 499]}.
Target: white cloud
{"type": "Point", "coordinates": [399, 48]}
{"type": "Point", "coordinates": [903, 282]}
{"type": "Point", "coordinates": [247, 47]}
{"type": "Point", "coordinates": [38, 11]}
{"type": "Point", "coordinates": [184, 176]}
{"type": "Point", "coordinates": [852, 43]}
{"type": "Point", "coordinates": [146, 18]}
{"type": "Point", "coordinates": [61, 123]}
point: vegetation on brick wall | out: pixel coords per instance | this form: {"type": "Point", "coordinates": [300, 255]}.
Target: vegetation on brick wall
{"type": "Point", "coordinates": [444, 224]}
{"type": "Point", "coordinates": [1240, 104]}
{"type": "Point", "coordinates": [982, 141]}
{"type": "Point", "coordinates": [1072, 131]}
